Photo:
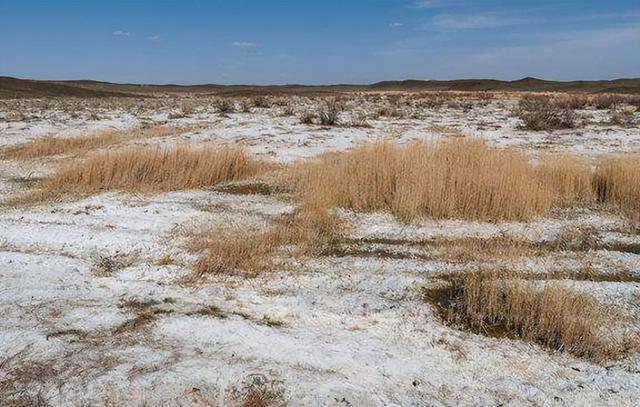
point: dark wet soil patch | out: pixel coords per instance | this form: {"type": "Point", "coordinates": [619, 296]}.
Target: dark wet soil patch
{"type": "Point", "coordinates": [245, 188]}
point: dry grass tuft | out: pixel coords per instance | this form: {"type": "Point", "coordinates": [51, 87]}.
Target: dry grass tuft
{"type": "Point", "coordinates": [234, 249]}
{"type": "Point", "coordinates": [569, 178]}
{"type": "Point", "coordinates": [501, 304]}
{"type": "Point", "coordinates": [248, 251]}
{"type": "Point", "coordinates": [460, 178]}
{"type": "Point", "coordinates": [255, 398]}
{"type": "Point", "coordinates": [313, 228]}
{"type": "Point", "coordinates": [50, 146]}
{"type": "Point", "coordinates": [617, 181]}
{"type": "Point", "coordinates": [146, 169]}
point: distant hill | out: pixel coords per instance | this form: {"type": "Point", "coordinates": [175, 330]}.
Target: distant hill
{"type": "Point", "coordinates": [523, 85]}
{"type": "Point", "coordinates": [27, 88]}
{"type": "Point", "coordinates": [11, 88]}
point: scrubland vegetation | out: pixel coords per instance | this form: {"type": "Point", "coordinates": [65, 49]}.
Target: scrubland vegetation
{"type": "Point", "coordinates": [513, 280]}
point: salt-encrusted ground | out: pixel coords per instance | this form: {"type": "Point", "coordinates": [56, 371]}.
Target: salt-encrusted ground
{"type": "Point", "coordinates": [91, 317]}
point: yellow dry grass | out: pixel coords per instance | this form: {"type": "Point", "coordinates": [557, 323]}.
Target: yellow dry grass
{"type": "Point", "coordinates": [51, 146]}
{"type": "Point", "coordinates": [568, 178]}
{"type": "Point", "coordinates": [146, 169]}
{"type": "Point", "coordinates": [459, 178]}
{"type": "Point", "coordinates": [233, 249]}
{"type": "Point", "coordinates": [312, 227]}
{"type": "Point", "coordinates": [617, 182]}
{"type": "Point", "coordinates": [500, 303]}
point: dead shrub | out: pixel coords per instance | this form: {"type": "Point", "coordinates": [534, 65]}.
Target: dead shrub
{"type": "Point", "coordinates": [459, 178]}
{"type": "Point", "coordinates": [501, 304]}
{"type": "Point", "coordinates": [607, 101]}
{"type": "Point", "coordinates": [307, 118]}
{"type": "Point", "coordinates": [617, 182]}
{"type": "Point", "coordinates": [245, 106]}
{"type": "Point", "coordinates": [543, 113]}
{"type": "Point", "coordinates": [330, 114]}
{"type": "Point", "coordinates": [287, 111]}
{"type": "Point", "coordinates": [146, 169]}
{"type": "Point", "coordinates": [261, 102]}
{"type": "Point", "coordinates": [224, 106]}
{"type": "Point", "coordinates": [576, 102]}
{"type": "Point", "coordinates": [622, 115]}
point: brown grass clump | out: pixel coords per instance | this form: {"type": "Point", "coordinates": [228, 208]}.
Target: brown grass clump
{"type": "Point", "coordinates": [256, 399]}
{"type": "Point", "coordinates": [617, 182]}
{"type": "Point", "coordinates": [50, 146]}
{"type": "Point", "coordinates": [460, 178]}
{"type": "Point", "coordinates": [544, 113]}
{"type": "Point", "coordinates": [147, 169]}
{"type": "Point", "coordinates": [234, 250]}
{"type": "Point", "coordinates": [503, 305]}
{"type": "Point", "coordinates": [313, 228]}
{"type": "Point", "coordinates": [568, 177]}
{"type": "Point", "coordinates": [248, 251]}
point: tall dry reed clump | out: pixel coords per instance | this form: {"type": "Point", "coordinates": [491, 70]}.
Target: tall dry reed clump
{"type": "Point", "coordinates": [550, 315]}
{"type": "Point", "coordinates": [617, 182]}
{"type": "Point", "coordinates": [462, 178]}
{"type": "Point", "coordinates": [148, 169]}
{"type": "Point", "coordinates": [568, 178]}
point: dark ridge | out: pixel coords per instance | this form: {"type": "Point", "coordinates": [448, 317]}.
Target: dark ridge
{"type": "Point", "coordinates": [11, 88]}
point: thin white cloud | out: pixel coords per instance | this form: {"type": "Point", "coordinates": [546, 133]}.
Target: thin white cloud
{"type": "Point", "coordinates": [244, 44]}
{"type": "Point", "coordinates": [428, 4]}
{"type": "Point", "coordinates": [120, 33]}
{"type": "Point", "coordinates": [472, 21]}
{"type": "Point", "coordinates": [395, 25]}
{"type": "Point", "coordinates": [154, 38]}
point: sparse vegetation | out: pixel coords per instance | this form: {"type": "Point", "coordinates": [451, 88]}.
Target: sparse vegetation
{"type": "Point", "coordinates": [543, 113]}
{"type": "Point", "coordinates": [146, 169]}
{"type": "Point", "coordinates": [224, 106]}
{"type": "Point", "coordinates": [501, 304]}
{"type": "Point", "coordinates": [50, 146]}
{"type": "Point", "coordinates": [623, 115]}
{"type": "Point", "coordinates": [307, 118]}
{"type": "Point", "coordinates": [617, 182]}
{"type": "Point", "coordinates": [233, 249]}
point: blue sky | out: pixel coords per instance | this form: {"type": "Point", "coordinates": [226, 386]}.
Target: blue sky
{"type": "Point", "coordinates": [318, 41]}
